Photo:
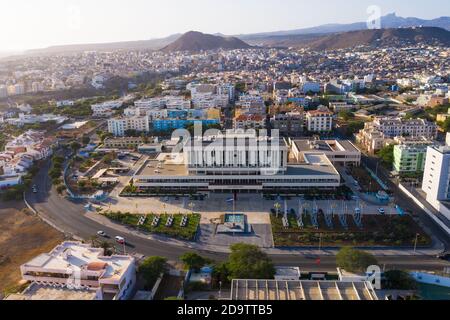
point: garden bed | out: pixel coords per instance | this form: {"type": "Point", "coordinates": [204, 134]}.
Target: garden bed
{"type": "Point", "coordinates": [188, 232]}
{"type": "Point", "coordinates": [377, 230]}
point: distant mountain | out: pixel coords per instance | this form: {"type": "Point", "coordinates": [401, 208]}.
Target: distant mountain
{"type": "Point", "coordinates": [152, 44]}
{"type": "Point", "coordinates": [197, 41]}
{"type": "Point", "coordinates": [388, 21]}
{"type": "Point", "coordinates": [381, 37]}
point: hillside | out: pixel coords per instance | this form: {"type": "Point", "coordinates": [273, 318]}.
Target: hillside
{"type": "Point", "coordinates": [197, 41]}
{"type": "Point", "coordinates": [382, 37]}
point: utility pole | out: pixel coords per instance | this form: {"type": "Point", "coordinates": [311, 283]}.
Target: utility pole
{"type": "Point", "coordinates": [320, 242]}
{"type": "Point", "coordinates": [415, 242]}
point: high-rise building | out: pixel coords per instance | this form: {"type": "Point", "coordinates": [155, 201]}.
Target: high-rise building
{"type": "Point", "coordinates": [436, 178]}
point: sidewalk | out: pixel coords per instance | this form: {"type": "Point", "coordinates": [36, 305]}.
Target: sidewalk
{"type": "Point", "coordinates": [307, 251]}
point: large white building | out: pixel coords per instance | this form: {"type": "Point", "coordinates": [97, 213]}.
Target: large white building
{"type": "Point", "coordinates": [436, 178]}
{"type": "Point", "coordinates": [81, 266]}
{"type": "Point", "coordinates": [105, 109]}
{"type": "Point", "coordinates": [118, 126]}
{"type": "Point", "coordinates": [237, 162]}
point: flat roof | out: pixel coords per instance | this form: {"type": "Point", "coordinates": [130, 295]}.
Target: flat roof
{"type": "Point", "coordinates": [47, 292]}
{"type": "Point", "coordinates": [301, 290]}
{"type": "Point", "coordinates": [310, 170]}
{"type": "Point", "coordinates": [74, 254]}
{"type": "Point", "coordinates": [163, 169]}
{"type": "Point", "coordinates": [304, 145]}
{"type": "Point", "coordinates": [287, 271]}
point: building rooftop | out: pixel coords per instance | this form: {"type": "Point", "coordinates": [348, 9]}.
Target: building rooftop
{"type": "Point", "coordinates": [301, 290]}
{"type": "Point", "coordinates": [48, 292]}
{"type": "Point", "coordinates": [287, 271]}
{"type": "Point", "coordinates": [75, 254]}
{"type": "Point", "coordinates": [304, 145]}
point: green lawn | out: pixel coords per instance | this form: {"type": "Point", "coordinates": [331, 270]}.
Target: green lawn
{"type": "Point", "coordinates": [377, 230]}
{"type": "Point", "coordinates": [176, 231]}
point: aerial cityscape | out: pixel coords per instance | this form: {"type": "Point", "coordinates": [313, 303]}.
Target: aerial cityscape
{"type": "Point", "coordinates": [225, 163]}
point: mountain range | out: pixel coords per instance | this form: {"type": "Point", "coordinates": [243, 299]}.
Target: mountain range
{"type": "Point", "coordinates": [297, 37]}
{"type": "Point", "coordinates": [196, 41]}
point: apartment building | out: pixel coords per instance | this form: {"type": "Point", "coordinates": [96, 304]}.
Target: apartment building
{"type": "Point", "coordinates": [118, 126]}
{"type": "Point", "coordinates": [105, 109]}
{"type": "Point", "coordinates": [436, 178]}
{"type": "Point", "coordinates": [410, 155]}
{"type": "Point", "coordinates": [290, 123]}
{"type": "Point", "coordinates": [83, 267]}
{"type": "Point", "coordinates": [254, 121]}
{"type": "Point", "coordinates": [382, 130]}
{"type": "Point", "coordinates": [320, 120]}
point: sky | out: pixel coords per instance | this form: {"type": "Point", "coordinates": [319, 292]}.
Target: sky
{"type": "Point", "coordinates": [28, 24]}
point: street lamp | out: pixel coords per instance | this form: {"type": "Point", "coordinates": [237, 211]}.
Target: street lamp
{"type": "Point", "coordinates": [320, 242]}
{"type": "Point", "coordinates": [191, 206]}
{"type": "Point", "coordinates": [277, 207]}
{"type": "Point", "coordinates": [415, 242]}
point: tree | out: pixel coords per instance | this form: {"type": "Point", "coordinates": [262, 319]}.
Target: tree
{"type": "Point", "coordinates": [353, 260]}
{"type": "Point", "coordinates": [107, 247]}
{"type": "Point", "coordinates": [75, 146]}
{"type": "Point", "coordinates": [151, 268]}
{"type": "Point", "coordinates": [247, 261]}
{"type": "Point", "coordinates": [85, 139]}
{"type": "Point", "coordinates": [346, 115]}
{"type": "Point", "coordinates": [387, 155]}
{"type": "Point", "coordinates": [446, 125]}
{"type": "Point", "coordinates": [194, 261]}
{"type": "Point", "coordinates": [398, 280]}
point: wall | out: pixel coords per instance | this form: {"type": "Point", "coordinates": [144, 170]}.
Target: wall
{"type": "Point", "coordinates": [429, 278]}
{"type": "Point", "coordinates": [421, 205]}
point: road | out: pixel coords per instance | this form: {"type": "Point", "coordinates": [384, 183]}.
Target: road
{"type": "Point", "coordinates": [70, 217]}
{"type": "Point", "coordinates": [403, 201]}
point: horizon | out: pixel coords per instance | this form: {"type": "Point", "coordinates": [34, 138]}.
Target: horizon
{"type": "Point", "coordinates": [79, 24]}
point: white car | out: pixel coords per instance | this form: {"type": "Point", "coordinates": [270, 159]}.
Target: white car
{"type": "Point", "coordinates": [381, 211]}
{"type": "Point", "coordinates": [120, 240]}
{"type": "Point", "coordinates": [101, 233]}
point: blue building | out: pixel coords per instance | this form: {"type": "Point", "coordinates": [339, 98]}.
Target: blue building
{"type": "Point", "coordinates": [172, 124]}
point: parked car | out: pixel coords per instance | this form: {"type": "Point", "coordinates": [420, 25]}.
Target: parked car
{"type": "Point", "coordinates": [381, 211]}
{"type": "Point", "coordinates": [444, 256]}
{"type": "Point", "coordinates": [120, 240]}
{"type": "Point", "coordinates": [102, 234]}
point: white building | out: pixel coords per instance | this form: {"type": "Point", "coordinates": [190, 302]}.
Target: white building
{"type": "Point", "coordinates": [105, 109]}
{"type": "Point", "coordinates": [342, 152]}
{"type": "Point", "coordinates": [3, 91]}
{"type": "Point", "coordinates": [65, 103]}
{"type": "Point", "coordinates": [227, 89]}
{"type": "Point", "coordinates": [237, 162]}
{"type": "Point", "coordinates": [82, 266]}
{"type": "Point", "coordinates": [320, 120]}
{"type": "Point", "coordinates": [119, 126]}
{"type": "Point", "coordinates": [436, 178]}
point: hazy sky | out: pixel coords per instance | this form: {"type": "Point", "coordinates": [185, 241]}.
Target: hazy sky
{"type": "Point", "coordinates": [28, 24]}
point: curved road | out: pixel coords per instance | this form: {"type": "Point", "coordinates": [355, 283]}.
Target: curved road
{"type": "Point", "coordinates": [70, 217]}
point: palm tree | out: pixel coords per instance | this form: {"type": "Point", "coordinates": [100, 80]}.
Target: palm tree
{"type": "Point", "coordinates": [93, 239]}
{"type": "Point", "coordinates": [106, 246]}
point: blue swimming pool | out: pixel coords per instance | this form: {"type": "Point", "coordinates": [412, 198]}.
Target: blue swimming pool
{"type": "Point", "coordinates": [234, 218]}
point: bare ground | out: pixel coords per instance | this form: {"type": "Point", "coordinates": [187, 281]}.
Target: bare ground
{"type": "Point", "coordinates": [22, 237]}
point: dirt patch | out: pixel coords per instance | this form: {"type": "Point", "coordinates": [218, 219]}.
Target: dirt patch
{"type": "Point", "coordinates": [23, 237]}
